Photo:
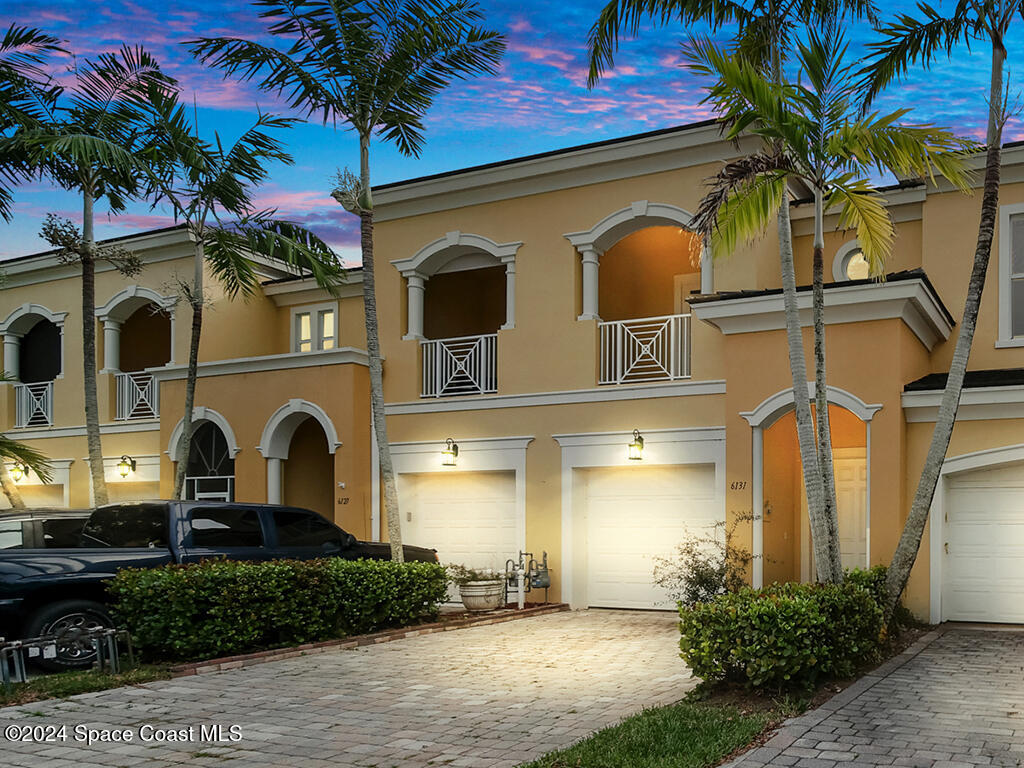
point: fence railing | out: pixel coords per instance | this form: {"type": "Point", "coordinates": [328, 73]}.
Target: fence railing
{"type": "Point", "coordinates": [137, 396]}
{"type": "Point", "coordinates": [33, 404]}
{"type": "Point", "coordinates": [645, 349]}
{"type": "Point", "coordinates": [467, 365]}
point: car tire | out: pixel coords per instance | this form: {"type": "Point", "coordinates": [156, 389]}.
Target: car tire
{"type": "Point", "coordinates": [66, 620]}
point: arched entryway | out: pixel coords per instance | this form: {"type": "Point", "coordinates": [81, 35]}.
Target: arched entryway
{"type": "Point", "coordinates": [299, 442]}
{"type": "Point", "coordinates": [781, 531]}
{"type": "Point", "coordinates": [210, 472]}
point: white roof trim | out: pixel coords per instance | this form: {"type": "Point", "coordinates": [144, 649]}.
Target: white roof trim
{"type": "Point", "coordinates": [286, 361]}
{"type": "Point", "coordinates": [976, 404]}
{"type": "Point", "coordinates": [909, 300]}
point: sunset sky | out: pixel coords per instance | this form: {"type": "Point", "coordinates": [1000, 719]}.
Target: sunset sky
{"type": "Point", "coordinates": [538, 102]}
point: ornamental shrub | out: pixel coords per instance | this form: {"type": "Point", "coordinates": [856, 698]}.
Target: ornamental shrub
{"type": "Point", "coordinates": [223, 607]}
{"type": "Point", "coordinates": [783, 636]}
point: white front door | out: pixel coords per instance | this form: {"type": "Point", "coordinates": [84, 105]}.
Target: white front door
{"type": "Point", "coordinates": [850, 469]}
{"type": "Point", "coordinates": [983, 569]}
{"type": "Point", "coordinates": [468, 517]}
{"type": "Point", "coordinates": [634, 515]}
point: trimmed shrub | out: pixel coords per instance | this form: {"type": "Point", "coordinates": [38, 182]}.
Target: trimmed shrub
{"type": "Point", "coordinates": [784, 636]}
{"type": "Point", "coordinates": [223, 607]}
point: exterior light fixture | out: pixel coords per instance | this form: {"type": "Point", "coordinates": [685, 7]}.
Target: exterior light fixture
{"type": "Point", "coordinates": [636, 448]}
{"type": "Point", "coordinates": [18, 471]}
{"type": "Point", "coordinates": [126, 466]}
{"type": "Point", "coordinates": [449, 453]}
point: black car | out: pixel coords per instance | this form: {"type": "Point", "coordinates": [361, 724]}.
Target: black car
{"type": "Point", "coordinates": [55, 586]}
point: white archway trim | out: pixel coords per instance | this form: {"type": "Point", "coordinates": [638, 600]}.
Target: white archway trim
{"type": "Point", "coordinates": [638, 215]}
{"type": "Point", "coordinates": [765, 414]}
{"type": "Point", "coordinates": [842, 258]}
{"type": "Point", "coordinates": [433, 257]}
{"type": "Point", "coordinates": [201, 413]}
{"type": "Point", "coordinates": [454, 252]}
{"type": "Point", "coordinates": [277, 434]}
{"type": "Point", "coordinates": [990, 458]}
{"type": "Point", "coordinates": [123, 303]}
{"type": "Point", "coordinates": [19, 321]}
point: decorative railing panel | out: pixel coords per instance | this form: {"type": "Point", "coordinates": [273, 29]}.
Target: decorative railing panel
{"type": "Point", "coordinates": [33, 404]}
{"type": "Point", "coordinates": [137, 396]}
{"type": "Point", "coordinates": [467, 365]}
{"type": "Point", "coordinates": [645, 349]}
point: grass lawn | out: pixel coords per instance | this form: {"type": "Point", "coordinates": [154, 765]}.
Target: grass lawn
{"type": "Point", "coordinates": [63, 684]}
{"type": "Point", "coordinates": [688, 734]}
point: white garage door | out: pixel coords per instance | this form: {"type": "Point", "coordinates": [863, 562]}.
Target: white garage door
{"type": "Point", "coordinates": [983, 573]}
{"type": "Point", "coordinates": [635, 514]}
{"type": "Point", "coordinates": [468, 517]}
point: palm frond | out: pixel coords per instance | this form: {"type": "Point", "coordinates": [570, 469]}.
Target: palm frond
{"type": "Point", "coordinates": [861, 208]}
{"type": "Point", "coordinates": [20, 453]}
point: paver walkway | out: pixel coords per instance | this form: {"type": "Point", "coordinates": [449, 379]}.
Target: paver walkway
{"type": "Point", "coordinates": [482, 697]}
{"type": "Point", "coordinates": [956, 700]}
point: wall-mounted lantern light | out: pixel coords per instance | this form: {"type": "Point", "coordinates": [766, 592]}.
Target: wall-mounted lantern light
{"type": "Point", "coordinates": [449, 453]}
{"type": "Point", "coordinates": [126, 466]}
{"type": "Point", "coordinates": [18, 471]}
{"type": "Point", "coordinates": [636, 448]}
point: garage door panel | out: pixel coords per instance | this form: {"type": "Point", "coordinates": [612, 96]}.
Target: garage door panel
{"type": "Point", "coordinates": [983, 571]}
{"type": "Point", "coordinates": [635, 515]}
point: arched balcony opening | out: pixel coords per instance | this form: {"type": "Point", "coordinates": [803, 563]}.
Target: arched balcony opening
{"type": "Point", "coordinates": [33, 338]}
{"type": "Point", "coordinates": [210, 472]}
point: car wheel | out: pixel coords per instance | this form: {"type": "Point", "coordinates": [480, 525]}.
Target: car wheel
{"type": "Point", "coordinates": [68, 621]}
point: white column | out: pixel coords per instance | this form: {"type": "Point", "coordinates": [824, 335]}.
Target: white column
{"type": "Point", "coordinates": [111, 346]}
{"type": "Point", "coordinates": [590, 284]}
{"type": "Point", "coordinates": [12, 349]}
{"type": "Point", "coordinates": [510, 295]}
{"type": "Point", "coordinates": [707, 271]}
{"type": "Point", "coordinates": [273, 481]}
{"type": "Point", "coordinates": [416, 291]}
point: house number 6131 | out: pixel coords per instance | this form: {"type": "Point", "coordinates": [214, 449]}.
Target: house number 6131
{"type": "Point", "coordinates": [738, 485]}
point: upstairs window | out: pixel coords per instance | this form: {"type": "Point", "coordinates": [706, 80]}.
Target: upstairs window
{"type": "Point", "coordinates": [314, 328]}
{"type": "Point", "coordinates": [1011, 276]}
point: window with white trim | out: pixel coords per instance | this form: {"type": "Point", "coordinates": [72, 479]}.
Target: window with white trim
{"type": "Point", "coordinates": [849, 263]}
{"type": "Point", "coordinates": [315, 328]}
{"type": "Point", "coordinates": [1016, 275]}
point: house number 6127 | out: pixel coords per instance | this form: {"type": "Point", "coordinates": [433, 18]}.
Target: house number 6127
{"type": "Point", "coordinates": [738, 485]}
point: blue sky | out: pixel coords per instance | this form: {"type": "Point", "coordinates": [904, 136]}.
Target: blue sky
{"type": "Point", "coordinates": [538, 102]}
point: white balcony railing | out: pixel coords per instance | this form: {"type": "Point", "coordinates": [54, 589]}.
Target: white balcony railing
{"type": "Point", "coordinates": [33, 404]}
{"type": "Point", "coordinates": [646, 349]}
{"type": "Point", "coordinates": [137, 396]}
{"type": "Point", "coordinates": [467, 365]}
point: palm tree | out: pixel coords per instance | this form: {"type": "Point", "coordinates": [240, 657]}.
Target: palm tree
{"type": "Point", "coordinates": [23, 51]}
{"type": "Point", "coordinates": [766, 29]}
{"type": "Point", "coordinates": [377, 66]}
{"type": "Point", "coordinates": [814, 135]}
{"type": "Point", "coordinates": [907, 41]}
{"type": "Point", "coordinates": [209, 186]}
{"type": "Point", "coordinates": [84, 142]}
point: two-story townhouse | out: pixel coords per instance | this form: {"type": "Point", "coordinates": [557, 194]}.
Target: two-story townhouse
{"type": "Point", "coordinates": [281, 400]}
{"type": "Point", "coordinates": [544, 311]}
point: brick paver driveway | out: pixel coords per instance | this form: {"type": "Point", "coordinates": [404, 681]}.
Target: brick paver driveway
{"type": "Point", "coordinates": [482, 697]}
{"type": "Point", "coordinates": [956, 702]}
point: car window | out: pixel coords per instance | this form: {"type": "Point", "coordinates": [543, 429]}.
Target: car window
{"type": "Point", "coordinates": [62, 533]}
{"type": "Point", "coordinates": [301, 528]}
{"type": "Point", "coordinates": [131, 525]}
{"type": "Point", "coordinates": [225, 527]}
{"type": "Point", "coordinates": [11, 535]}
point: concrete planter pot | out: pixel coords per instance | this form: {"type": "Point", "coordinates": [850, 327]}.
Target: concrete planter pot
{"type": "Point", "coordinates": [482, 595]}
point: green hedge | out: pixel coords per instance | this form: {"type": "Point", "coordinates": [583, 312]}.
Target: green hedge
{"type": "Point", "coordinates": [222, 607]}
{"type": "Point", "coordinates": [787, 635]}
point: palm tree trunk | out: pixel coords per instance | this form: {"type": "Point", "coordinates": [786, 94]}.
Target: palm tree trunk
{"type": "Point", "coordinates": [387, 469]}
{"type": "Point", "coordinates": [801, 397]}
{"type": "Point", "coordinates": [910, 541]}
{"type": "Point", "coordinates": [829, 511]}
{"type": "Point", "coordinates": [10, 488]}
{"type": "Point", "coordinates": [92, 413]}
{"type": "Point", "coordinates": [196, 300]}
